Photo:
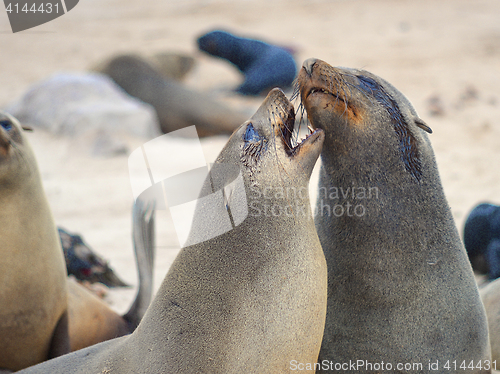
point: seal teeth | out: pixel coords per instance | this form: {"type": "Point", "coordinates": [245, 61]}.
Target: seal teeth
{"type": "Point", "coordinates": [287, 128]}
{"type": "Point", "coordinates": [315, 89]}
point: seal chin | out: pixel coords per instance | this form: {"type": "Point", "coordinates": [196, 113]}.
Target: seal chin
{"type": "Point", "coordinates": [313, 139]}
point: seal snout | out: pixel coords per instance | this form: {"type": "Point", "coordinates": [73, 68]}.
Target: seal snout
{"type": "Point", "coordinates": [309, 64]}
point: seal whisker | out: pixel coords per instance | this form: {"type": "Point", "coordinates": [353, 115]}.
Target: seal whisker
{"type": "Point", "coordinates": [296, 91]}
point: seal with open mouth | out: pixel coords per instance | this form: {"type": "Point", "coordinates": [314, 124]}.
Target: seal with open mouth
{"type": "Point", "coordinates": [400, 286]}
{"type": "Point", "coordinates": [251, 299]}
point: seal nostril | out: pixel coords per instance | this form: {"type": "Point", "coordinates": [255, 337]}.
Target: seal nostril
{"type": "Point", "coordinates": [308, 65]}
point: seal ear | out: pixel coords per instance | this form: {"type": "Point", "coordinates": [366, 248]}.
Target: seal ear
{"type": "Point", "coordinates": [420, 123]}
{"type": "Point", "coordinates": [27, 128]}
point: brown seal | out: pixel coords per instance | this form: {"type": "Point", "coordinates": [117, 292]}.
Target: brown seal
{"type": "Point", "coordinates": [176, 105]}
{"type": "Point", "coordinates": [400, 287]}
{"type": "Point", "coordinates": [252, 299]}
{"type": "Point", "coordinates": [41, 316]}
{"type": "Point", "coordinates": [33, 312]}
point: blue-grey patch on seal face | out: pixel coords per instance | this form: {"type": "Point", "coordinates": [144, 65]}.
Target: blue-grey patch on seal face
{"type": "Point", "coordinates": [251, 135]}
{"type": "Point", "coordinates": [255, 144]}
{"type": "Point", "coordinates": [407, 141]}
{"type": "Point", "coordinates": [6, 125]}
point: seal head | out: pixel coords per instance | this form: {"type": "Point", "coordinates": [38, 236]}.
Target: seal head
{"type": "Point", "coordinates": [353, 100]}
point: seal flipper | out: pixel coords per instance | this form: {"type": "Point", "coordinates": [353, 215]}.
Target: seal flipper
{"type": "Point", "coordinates": [60, 345]}
{"type": "Point", "coordinates": [143, 232]}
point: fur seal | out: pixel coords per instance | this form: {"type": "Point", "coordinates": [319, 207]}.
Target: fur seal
{"type": "Point", "coordinates": [33, 312]}
{"type": "Point", "coordinates": [400, 287]}
{"type": "Point", "coordinates": [482, 239]}
{"type": "Point", "coordinates": [265, 66]}
{"type": "Point", "coordinates": [252, 299]}
{"type": "Point", "coordinates": [40, 316]}
{"type": "Point", "coordinates": [176, 106]}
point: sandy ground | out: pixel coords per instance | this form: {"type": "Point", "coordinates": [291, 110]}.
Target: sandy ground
{"type": "Point", "coordinates": [446, 50]}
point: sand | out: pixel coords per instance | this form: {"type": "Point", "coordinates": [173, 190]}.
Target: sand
{"type": "Point", "coordinates": [444, 55]}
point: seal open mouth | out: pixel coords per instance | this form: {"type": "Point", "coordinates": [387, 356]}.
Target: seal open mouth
{"type": "Point", "coordinates": [286, 131]}
{"type": "Point", "coordinates": [317, 89]}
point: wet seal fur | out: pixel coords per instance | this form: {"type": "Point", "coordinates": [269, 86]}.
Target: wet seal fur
{"type": "Point", "coordinates": [33, 304]}
{"type": "Point", "coordinates": [252, 299]}
{"type": "Point", "coordinates": [43, 314]}
{"type": "Point", "coordinates": [264, 65]}
{"type": "Point", "coordinates": [400, 286]}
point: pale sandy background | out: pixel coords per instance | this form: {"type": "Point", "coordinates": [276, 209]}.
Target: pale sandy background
{"type": "Point", "coordinates": [448, 50]}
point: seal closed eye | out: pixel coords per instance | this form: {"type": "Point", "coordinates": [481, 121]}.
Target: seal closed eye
{"type": "Point", "coordinates": [400, 286]}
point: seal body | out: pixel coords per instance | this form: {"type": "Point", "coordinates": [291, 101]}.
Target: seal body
{"type": "Point", "coordinates": [91, 321]}
{"type": "Point", "coordinates": [176, 106]}
{"type": "Point", "coordinates": [249, 300]}
{"type": "Point", "coordinates": [400, 287]}
{"type": "Point", "coordinates": [482, 239]}
{"type": "Point", "coordinates": [265, 66]}
{"type": "Point", "coordinates": [33, 296]}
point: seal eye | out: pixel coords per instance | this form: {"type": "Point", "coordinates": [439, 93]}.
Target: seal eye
{"type": "Point", "coordinates": [251, 135]}
{"type": "Point", "coordinates": [6, 125]}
